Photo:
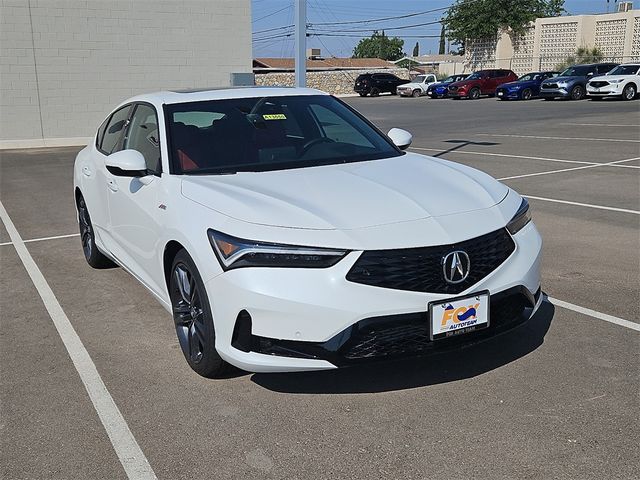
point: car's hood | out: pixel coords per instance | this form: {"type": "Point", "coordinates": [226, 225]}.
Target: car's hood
{"type": "Point", "coordinates": [523, 83]}
{"type": "Point", "coordinates": [463, 83]}
{"type": "Point", "coordinates": [611, 77]}
{"type": "Point", "coordinates": [562, 79]}
{"type": "Point", "coordinates": [411, 84]}
{"type": "Point", "coordinates": [348, 196]}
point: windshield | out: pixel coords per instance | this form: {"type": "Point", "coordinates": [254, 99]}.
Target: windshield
{"type": "Point", "coordinates": [451, 79]}
{"type": "Point", "coordinates": [419, 78]}
{"type": "Point", "coordinates": [625, 70]}
{"type": "Point", "coordinates": [269, 133]}
{"type": "Point", "coordinates": [475, 76]}
{"type": "Point", "coordinates": [530, 76]}
{"type": "Point", "coordinates": [578, 71]}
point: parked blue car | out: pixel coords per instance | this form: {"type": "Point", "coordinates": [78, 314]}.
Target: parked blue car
{"type": "Point", "coordinates": [525, 88]}
{"type": "Point", "coordinates": [441, 89]}
{"type": "Point", "coordinates": [572, 83]}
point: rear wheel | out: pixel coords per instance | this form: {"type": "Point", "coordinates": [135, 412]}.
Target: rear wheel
{"type": "Point", "coordinates": [577, 93]}
{"type": "Point", "coordinates": [526, 94]}
{"type": "Point", "coordinates": [92, 255]}
{"type": "Point", "coordinates": [193, 319]}
{"type": "Point", "coordinates": [629, 92]}
{"type": "Point", "coordinates": [474, 94]}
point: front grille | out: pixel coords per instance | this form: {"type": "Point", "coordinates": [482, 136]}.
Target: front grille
{"type": "Point", "coordinates": [410, 335]}
{"type": "Point", "coordinates": [599, 84]}
{"type": "Point", "coordinates": [549, 85]}
{"type": "Point", "coordinates": [420, 269]}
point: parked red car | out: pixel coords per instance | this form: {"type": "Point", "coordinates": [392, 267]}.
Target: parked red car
{"type": "Point", "coordinates": [482, 82]}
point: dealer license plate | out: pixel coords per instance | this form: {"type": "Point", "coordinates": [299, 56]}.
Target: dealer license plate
{"type": "Point", "coordinates": [460, 315]}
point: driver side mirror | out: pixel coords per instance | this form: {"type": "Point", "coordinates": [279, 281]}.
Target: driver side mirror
{"type": "Point", "coordinates": [590, 74]}
{"type": "Point", "coordinates": [401, 138]}
{"type": "Point", "coordinates": [126, 163]}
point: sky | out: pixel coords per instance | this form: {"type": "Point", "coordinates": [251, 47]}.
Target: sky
{"type": "Point", "coordinates": [339, 40]}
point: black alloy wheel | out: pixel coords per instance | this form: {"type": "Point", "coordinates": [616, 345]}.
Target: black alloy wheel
{"type": "Point", "coordinates": [526, 94]}
{"type": "Point", "coordinates": [577, 93]}
{"type": "Point", "coordinates": [474, 94]}
{"type": "Point", "coordinates": [375, 92]}
{"type": "Point", "coordinates": [629, 92]}
{"type": "Point", "coordinates": [193, 319]}
{"type": "Point", "coordinates": [94, 257]}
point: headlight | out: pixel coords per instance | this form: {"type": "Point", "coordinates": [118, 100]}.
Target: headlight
{"type": "Point", "coordinates": [237, 252]}
{"type": "Point", "coordinates": [618, 80]}
{"type": "Point", "coordinates": [520, 219]}
{"type": "Point", "coordinates": [562, 84]}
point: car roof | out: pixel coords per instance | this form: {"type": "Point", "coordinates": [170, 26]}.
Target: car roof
{"type": "Point", "coordinates": [225, 93]}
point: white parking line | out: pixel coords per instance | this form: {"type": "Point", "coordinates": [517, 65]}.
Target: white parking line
{"type": "Point", "coordinates": [592, 313]}
{"type": "Point", "coordinates": [124, 443]}
{"type": "Point", "coordinates": [559, 138]}
{"type": "Point", "coordinates": [588, 205]}
{"type": "Point", "coordinates": [616, 125]}
{"type": "Point", "coordinates": [549, 172]}
{"type": "Point", "coordinates": [525, 157]}
{"type": "Point", "coordinates": [43, 238]}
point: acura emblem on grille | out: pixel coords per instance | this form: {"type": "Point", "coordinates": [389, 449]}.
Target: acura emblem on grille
{"type": "Point", "coordinates": [456, 266]}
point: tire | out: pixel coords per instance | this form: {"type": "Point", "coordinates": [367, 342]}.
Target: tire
{"type": "Point", "coordinates": [577, 93]}
{"type": "Point", "coordinates": [415, 93]}
{"type": "Point", "coordinates": [474, 94]}
{"type": "Point", "coordinates": [629, 92]}
{"type": "Point", "coordinates": [192, 318]}
{"type": "Point", "coordinates": [526, 94]}
{"type": "Point", "coordinates": [94, 257]}
{"type": "Point", "coordinates": [374, 92]}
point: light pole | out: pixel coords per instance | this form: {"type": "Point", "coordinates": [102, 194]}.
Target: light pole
{"type": "Point", "coordinates": [301, 43]}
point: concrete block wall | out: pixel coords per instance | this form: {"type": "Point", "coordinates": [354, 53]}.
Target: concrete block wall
{"type": "Point", "coordinates": [64, 64]}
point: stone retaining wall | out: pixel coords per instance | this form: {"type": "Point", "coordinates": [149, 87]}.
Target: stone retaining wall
{"type": "Point", "coordinates": [335, 82]}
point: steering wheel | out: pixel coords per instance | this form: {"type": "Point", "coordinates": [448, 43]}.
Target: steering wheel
{"type": "Point", "coordinates": [316, 141]}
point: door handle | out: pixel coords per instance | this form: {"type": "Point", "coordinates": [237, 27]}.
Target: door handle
{"type": "Point", "coordinates": [86, 171]}
{"type": "Point", "coordinates": [113, 186]}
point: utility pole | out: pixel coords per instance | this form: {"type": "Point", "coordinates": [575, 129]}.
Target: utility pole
{"type": "Point", "coordinates": [301, 43]}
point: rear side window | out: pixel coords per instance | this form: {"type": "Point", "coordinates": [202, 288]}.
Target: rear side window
{"type": "Point", "coordinates": [113, 132]}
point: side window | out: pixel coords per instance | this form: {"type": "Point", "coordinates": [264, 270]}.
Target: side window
{"type": "Point", "coordinates": [336, 129]}
{"type": "Point", "coordinates": [143, 136]}
{"type": "Point", "coordinates": [113, 133]}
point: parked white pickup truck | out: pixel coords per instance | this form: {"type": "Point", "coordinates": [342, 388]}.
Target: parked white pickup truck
{"type": "Point", "coordinates": [418, 86]}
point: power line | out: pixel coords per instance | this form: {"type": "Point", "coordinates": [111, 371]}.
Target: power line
{"type": "Point", "coordinates": [271, 14]}
{"type": "Point", "coordinates": [373, 20]}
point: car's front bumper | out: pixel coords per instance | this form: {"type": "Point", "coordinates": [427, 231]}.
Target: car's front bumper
{"type": "Point", "coordinates": [405, 92]}
{"type": "Point", "coordinates": [611, 90]}
{"type": "Point", "coordinates": [562, 92]}
{"type": "Point", "coordinates": [507, 93]}
{"type": "Point", "coordinates": [457, 93]}
{"type": "Point", "coordinates": [312, 319]}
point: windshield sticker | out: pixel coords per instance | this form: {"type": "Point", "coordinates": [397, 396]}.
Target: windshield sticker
{"type": "Point", "coordinates": [275, 116]}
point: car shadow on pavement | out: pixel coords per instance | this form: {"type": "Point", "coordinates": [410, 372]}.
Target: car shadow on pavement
{"type": "Point", "coordinates": [403, 374]}
{"type": "Point", "coordinates": [463, 143]}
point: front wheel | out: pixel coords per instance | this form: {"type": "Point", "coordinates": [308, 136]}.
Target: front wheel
{"type": "Point", "coordinates": [526, 94]}
{"type": "Point", "coordinates": [415, 93]}
{"type": "Point", "coordinates": [577, 93]}
{"type": "Point", "coordinates": [94, 257]}
{"type": "Point", "coordinates": [374, 92]}
{"type": "Point", "coordinates": [474, 94]}
{"type": "Point", "coordinates": [629, 92]}
{"type": "Point", "coordinates": [193, 319]}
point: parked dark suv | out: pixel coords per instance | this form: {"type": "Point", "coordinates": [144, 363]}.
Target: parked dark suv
{"type": "Point", "coordinates": [376, 83]}
{"type": "Point", "coordinates": [482, 82]}
{"type": "Point", "coordinates": [572, 83]}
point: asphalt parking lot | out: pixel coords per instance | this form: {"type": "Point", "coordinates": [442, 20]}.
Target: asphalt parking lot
{"type": "Point", "coordinates": [556, 398]}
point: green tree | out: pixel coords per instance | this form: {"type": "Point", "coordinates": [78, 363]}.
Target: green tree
{"type": "Point", "coordinates": [443, 45]}
{"type": "Point", "coordinates": [379, 46]}
{"type": "Point", "coordinates": [582, 55]}
{"type": "Point", "coordinates": [480, 19]}
{"type": "Point", "coordinates": [416, 50]}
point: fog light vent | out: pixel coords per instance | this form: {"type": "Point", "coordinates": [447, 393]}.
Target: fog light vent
{"type": "Point", "coordinates": [241, 338]}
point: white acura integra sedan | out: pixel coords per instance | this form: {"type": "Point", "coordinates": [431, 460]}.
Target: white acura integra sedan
{"type": "Point", "coordinates": [285, 232]}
